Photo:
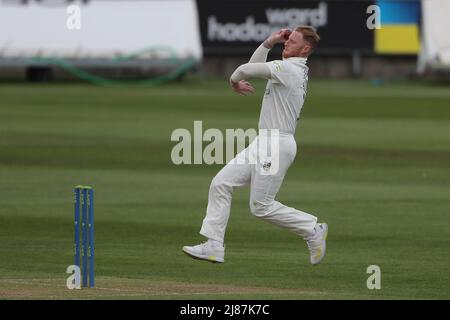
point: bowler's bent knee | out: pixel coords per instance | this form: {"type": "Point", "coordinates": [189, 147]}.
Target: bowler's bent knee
{"type": "Point", "coordinates": [260, 209]}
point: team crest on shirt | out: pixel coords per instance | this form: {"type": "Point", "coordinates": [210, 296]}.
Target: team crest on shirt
{"type": "Point", "coordinates": [266, 165]}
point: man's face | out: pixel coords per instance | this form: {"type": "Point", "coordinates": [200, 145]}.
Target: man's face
{"type": "Point", "coordinates": [296, 46]}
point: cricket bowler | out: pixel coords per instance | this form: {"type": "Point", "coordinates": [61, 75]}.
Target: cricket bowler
{"type": "Point", "coordinates": [283, 100]}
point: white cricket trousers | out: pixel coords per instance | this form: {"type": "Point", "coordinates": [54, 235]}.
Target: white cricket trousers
{"type": "Point", "coordinates": [263, 189]}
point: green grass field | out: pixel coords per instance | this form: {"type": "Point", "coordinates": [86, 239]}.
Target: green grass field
{"type": "Point", "coordinates": [373, 162]}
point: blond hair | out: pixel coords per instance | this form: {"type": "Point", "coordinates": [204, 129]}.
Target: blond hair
{"type": "Point", "coordinates": [309, 34]}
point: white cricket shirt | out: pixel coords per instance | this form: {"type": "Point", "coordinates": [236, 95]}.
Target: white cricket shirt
{"type": "Point", "coordinates": [284, 95]}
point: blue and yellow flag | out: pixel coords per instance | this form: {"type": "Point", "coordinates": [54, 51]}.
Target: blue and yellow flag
{"type": "Point", "coordinates": [400, 27]}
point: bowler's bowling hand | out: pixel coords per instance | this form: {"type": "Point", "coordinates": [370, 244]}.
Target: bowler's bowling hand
{"type": "Point", "coordinates": [242, 87]}
{"type": "Point", "coordinates": [277, 37]}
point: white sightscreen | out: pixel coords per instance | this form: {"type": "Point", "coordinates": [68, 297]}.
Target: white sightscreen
{"type": "Point", "coordinates": [436, 34]}
{"type": "Point", "coordinates": [108, 28]}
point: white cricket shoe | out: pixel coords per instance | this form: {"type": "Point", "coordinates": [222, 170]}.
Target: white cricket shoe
{"type": "Point", "coordinates": [317, 243]}
{"type": "Point", "coordinates": [206, 251]}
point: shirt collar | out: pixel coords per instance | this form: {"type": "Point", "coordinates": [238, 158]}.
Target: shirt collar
{"type": "Point", "coordinates": [301, 60]}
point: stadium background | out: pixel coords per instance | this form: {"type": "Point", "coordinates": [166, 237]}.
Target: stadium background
{"type": "Point", "coordinates": [97, 106]}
